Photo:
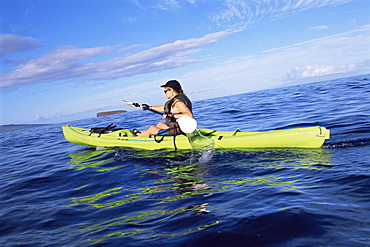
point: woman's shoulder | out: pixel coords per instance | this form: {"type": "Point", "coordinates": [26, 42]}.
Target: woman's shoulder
{"type": "Point", "coordinates": [182, 97]}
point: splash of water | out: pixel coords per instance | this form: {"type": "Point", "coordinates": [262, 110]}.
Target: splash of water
{"type": "Point", "coordinates": [202, 146]}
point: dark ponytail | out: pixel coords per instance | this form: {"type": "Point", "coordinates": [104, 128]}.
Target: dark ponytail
{"type": "Point", "coordinates": [180, 91]}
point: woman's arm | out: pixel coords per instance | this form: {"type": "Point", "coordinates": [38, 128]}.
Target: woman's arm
{"type": "Point", "coordinates": [179, 106]}
{"type": "Point", "coordinates": [156, 108]}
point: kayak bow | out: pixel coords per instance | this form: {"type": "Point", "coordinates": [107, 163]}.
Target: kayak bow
{"type": "Point", "coordinates": [307, 137]}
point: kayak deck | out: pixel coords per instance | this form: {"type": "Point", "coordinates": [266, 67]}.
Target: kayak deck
{"type": "Point", "coordinates": [307, 137]}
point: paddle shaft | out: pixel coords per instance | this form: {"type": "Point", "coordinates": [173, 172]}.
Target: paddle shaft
{"type": "Point", "coordinates": [148, 108]}
{"type": "Point", "coordinates": [145, 107]}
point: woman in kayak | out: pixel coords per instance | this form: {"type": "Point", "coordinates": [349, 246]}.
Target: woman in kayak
{"type": "Point", "coordinates": [178, 105]}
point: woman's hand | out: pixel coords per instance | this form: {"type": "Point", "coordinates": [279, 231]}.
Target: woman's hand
{"type": "Point", "coordinates": [145, 107]}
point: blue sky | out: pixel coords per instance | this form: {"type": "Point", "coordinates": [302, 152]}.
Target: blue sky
{"type": "Point", "coordinates": [67, 60]}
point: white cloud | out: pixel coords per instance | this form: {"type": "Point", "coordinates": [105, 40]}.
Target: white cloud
{"type": "Point", "coordinates": [163, 57]}
{"type": "Point", "coordinates": [11, 43]}
{"type": "Point", "coordinates": [58, 64]}
{"type": "Point", "coordinates": [319, 70]}
{"type": "Point", "coordinates": [164, 5]}
{"type": "Point", "coordinates": [38, 117]}
{"type": "Point", "coordinates": [241, 12]}
{"type": "Point", "coordinates": [320, 27]}
{"type": "Point", "coordinates": [124, 49]}
{"type": "Point", "coordinates": [66, 62]}
{"type": "Point", "coordinates": [253, 10]}
{"type": "Point", "coordinates": [333, 55]}
{"type": "Point", "coordinates": [340, 55]}
{"type": "Point", "coordinates": [294, 5]}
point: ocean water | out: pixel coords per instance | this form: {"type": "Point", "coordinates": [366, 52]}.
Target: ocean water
{"type": "Point", "coordinates": [55, 193]}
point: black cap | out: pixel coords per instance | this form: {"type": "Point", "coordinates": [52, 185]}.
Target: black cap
{"type": "Point", "coordinates": [173, 84]}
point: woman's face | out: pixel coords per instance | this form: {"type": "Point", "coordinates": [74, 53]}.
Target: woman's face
{"type": "Point", "coordinates": [169, 92]}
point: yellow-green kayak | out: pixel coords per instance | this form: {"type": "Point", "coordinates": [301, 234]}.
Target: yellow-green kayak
{"type": "Point", "coordinates": [307, 137]}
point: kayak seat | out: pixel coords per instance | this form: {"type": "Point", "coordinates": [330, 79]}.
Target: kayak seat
{"type": "Point", "coordinates": [104, 130]}
{"type": "Point", "coordinates": [127, 133]}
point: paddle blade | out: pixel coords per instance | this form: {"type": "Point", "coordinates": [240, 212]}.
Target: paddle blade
{"type": "Point", "coordinates": [187, 124]}
{"type": "Point", "coordinates": [131, 103]}
{"type": "Point", "coordinates": [106, 113]}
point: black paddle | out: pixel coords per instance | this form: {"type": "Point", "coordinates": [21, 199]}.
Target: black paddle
{"type": "Point", "coordinates": [145, 106]}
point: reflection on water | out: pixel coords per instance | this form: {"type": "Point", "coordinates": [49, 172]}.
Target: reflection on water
{"type": "Point", "coordinates": [148, 219]}
{"type": "Point", "coordinates": [262, 166]}
{"type": "Point", "coordinates": [182, 181]}
{"type": "Point", "coordinates": [173, 183]}
{"type": "Point", "coordinates": [173, 190]}
{"type": "Point", "coordinates": [92, 159]}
